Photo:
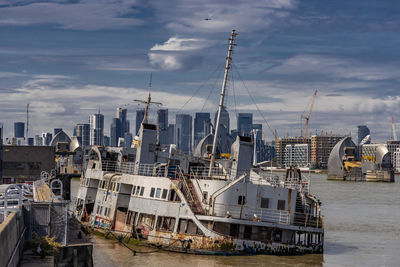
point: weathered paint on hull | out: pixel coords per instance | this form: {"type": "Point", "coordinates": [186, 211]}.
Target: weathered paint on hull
{"type": "Point", "coordinates": [225, 246]}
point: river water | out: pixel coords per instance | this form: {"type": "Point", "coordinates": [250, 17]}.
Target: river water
{"type": "Point", "coordinates": [362, 228]}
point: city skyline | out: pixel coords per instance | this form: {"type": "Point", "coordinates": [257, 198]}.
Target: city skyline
{"type": "Point", "coordinates": [66, 67]}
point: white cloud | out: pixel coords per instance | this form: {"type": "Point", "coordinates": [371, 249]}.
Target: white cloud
{"type": "Point", "coordinates": [182, 44]}
{"type": "Point", "coordinates": [177, 53]}
{"type": "Point", "coordinates": [5, 74]}
{"type": "Point", "coordinates": [67, 105]}
{"type": "Point", "coordinates": [125, 64]}
{"type": "Point", "coordinates": [337, 67]}
{"type": "Point", "coordinates": [165, 61]}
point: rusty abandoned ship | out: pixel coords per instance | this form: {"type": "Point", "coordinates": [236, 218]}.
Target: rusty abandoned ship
{"type": "Point", "coordinates": [201, 204]}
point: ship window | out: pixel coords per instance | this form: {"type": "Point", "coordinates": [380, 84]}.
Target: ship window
{"type": "Point", "coordinates": [191, 228]}
{"type": "Point", "coordinates": [171, 195]}
{"type": "Point", "coordinates": [278, 235]}
{"type": "Point", "coordinates": [133, 189]}
{"type": "Point", "coordinates": [152, 192]}
{"type": "Point", "coordinates": [118, 186]}
{"type": "Point", "coordinates": [234, 230]}
{"type": "Point", "coordinates": [137, 190]}
{"type": "Point", "coordinates": [264, 203]}
{"type": "Point", "coordinates": [241, 200]}
{"type": "Point", "coordinates": [158, 193]}
{"type": "Point", "coordinates": [188, 227]}
{"type": "Point", "coordinates": [112, 186]}
{"type": "Point", "coordinates": [164, 193]}
{"type": "Point", "coordinates": [129, 217]}
{"type": "Point", "coordinates": [98, 209]}
{"type": "Point", "coordinates": [142, 191]}
{"type": "Point", "coordinates": [247, 232]}
{"type": "Point", "coordinates": [281, 204]}
{"type": "Point", "coordinates": [165, 223]}
{"type": "Point", "coordinates": [134, 217]}
{"type": "Point", "coordinates": [182, 226]}
{"type": "Point", "coordinates": [147, 219]}
{"type": "Point", "coordinates": [105, 211]}
{"type": "Point", "coordinates": [205, 196]}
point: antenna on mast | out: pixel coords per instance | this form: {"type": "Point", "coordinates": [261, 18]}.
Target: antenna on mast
{"type": "Point", "coordinates": [221, 101]}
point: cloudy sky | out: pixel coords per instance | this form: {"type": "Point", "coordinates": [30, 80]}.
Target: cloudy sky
{"type": "Point", "coordinates": [71, 58]}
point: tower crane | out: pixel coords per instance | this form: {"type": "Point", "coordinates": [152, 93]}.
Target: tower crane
{"type": "Point", "coordinates": [309, 114]}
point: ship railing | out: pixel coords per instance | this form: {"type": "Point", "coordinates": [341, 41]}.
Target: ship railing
{"type": "Point", "coordinates": [155, 169]}
{"type": "Point", "coordinates": [204, 173]}
{"type": "Point", "coordinates": [244, 212]}
{"type": "Point", "coordinates": [308, 220]}
{"type": "Point", "coordinates": [301, 186]}
{"type": "Point", "coordinates": [114, 166]}
{"type": "Point", "coordinates": [260, 180]}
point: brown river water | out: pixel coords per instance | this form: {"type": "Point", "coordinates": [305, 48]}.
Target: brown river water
{"type": "Point", "coordinates": [362, 228]}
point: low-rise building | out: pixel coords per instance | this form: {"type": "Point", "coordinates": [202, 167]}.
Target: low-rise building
{"type": "Point", "coordinates": [297, 155]}
{"type": "Point", "coordinates": [321, 147]}
{"type": "Point", "coordinates": [281, 144]}
{"type": "Point", "coordinates": [25, 163]}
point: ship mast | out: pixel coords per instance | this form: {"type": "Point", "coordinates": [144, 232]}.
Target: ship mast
{"type": "Point", "coordinates": [221, 101]}
{"type": "Point", "coordinates": [148, 102]}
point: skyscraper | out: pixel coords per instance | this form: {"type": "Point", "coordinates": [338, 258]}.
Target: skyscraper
{"type": "Point", "coordinates": [38, 140]}
{"type": "Point", "coordinates": [162, 119]}
{"type": "Point", "coordinates": [139, 119]}
{"type": "Point", "coordinates": [201, 127]}
{"type": "Point", "coordinates": [96, 122]}
{"type": "Point", "coordinates": [19, 129]}
{"type": "Point", "coordinates": [106, 140]}
{"type": "Point", "coordinates": [184, 133]}
{"type": "Point", "coordinates": [128, 138]}
{"type": "Point", "coordinates": [258, 143]}
{"type": "Point", "coordinates": [244, 123]}
{"type": "Point", "coordinates": [31, 141]}
{"type": "Point", "coordinates": [224, 138]}
{"type": "Point", "coordinates": [171, 134]}
{"type": "Point", "coordinates": [224, 120]}
{"type": "Point", "coordinates": [363, 131]}
{"type": "Point", "coordinates": [46, 137]}
{"type": "Point", "coordinates": [115, 132]}
{"type": "Point", "coordinates": [121, 115]}
{"type": "Point", "coordinates": [82, 132]}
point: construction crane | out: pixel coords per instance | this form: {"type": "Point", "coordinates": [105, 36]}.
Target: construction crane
{"type": "Point", "coordinates": [309, 114]}
{"type": "Point", "coordinates": [394, 130]}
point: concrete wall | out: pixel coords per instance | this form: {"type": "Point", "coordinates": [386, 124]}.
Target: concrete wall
{"type": "Point", "coordinates": [10, 232]}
